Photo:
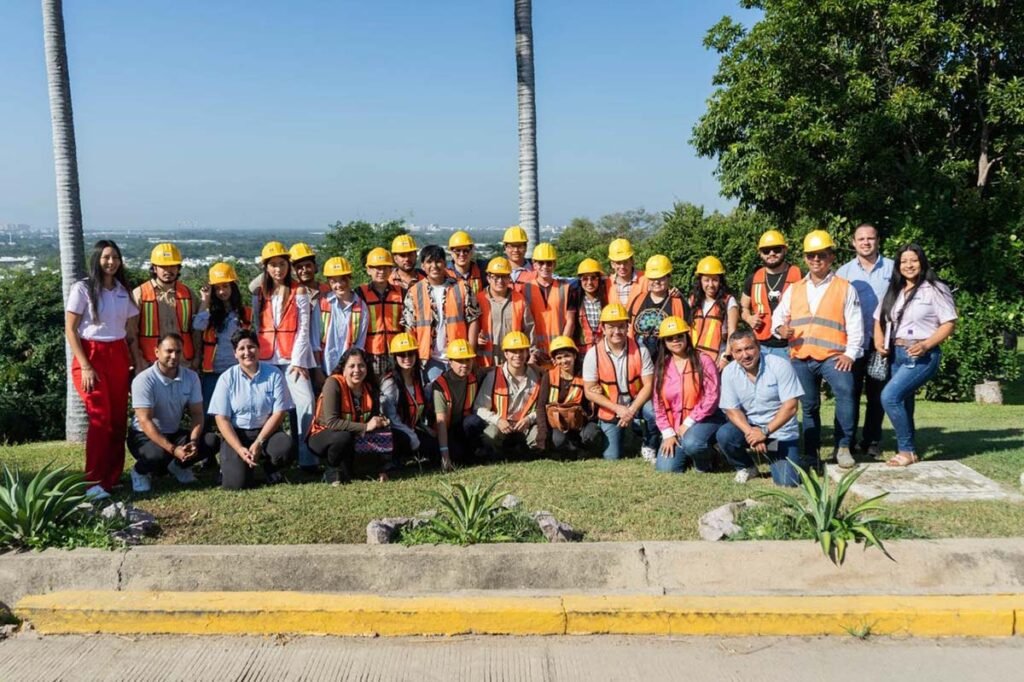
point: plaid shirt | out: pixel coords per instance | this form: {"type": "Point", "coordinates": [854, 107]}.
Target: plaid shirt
{"type": "Point", "coordinates": [592, 309]}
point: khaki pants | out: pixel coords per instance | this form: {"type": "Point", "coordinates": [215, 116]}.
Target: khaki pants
{"type": "Point", "coordinates": [496, 439]}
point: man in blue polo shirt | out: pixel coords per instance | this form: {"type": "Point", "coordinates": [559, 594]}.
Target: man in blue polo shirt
{"type": "Point", "coordinates": [160, 394]}
{"type": "Point", "coordinates": [760, 394]}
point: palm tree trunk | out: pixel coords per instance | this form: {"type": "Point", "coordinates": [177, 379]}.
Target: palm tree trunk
{"type": "Point", "coordinates": [69, 206]}
{"type": "Point", "coordinates": [529, 210]}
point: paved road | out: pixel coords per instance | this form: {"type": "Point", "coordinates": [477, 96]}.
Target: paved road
{"type": "Point", "coordinates": [643, 659]}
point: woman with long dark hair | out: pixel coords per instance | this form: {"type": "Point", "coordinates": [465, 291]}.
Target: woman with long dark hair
{"type": "Point", "coordinates": [713, 314]}
{"type": "Point", "coordinates": [593, 298]}
{"type": "Point", "coordinates": [403, 398]}
{"type": "Point", "coordinates": [100, 324]}
{"type": "Point", "coordinates": [221, 314]}
{"type": "Point", "coordinates": [917, 314]}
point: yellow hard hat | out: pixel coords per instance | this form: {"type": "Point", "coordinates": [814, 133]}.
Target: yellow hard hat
{"type": "Point", "coordinates": [818, 240]}
{"type": "Point", "coordinates": [403, 343]}
{"type": "Point", "coordinates": [709, 265]}
{"type": "Point", "coordinates": [620, 249]}
{"type": "Point", "coordinates": [403, 243]}
{"type": "Point", "coordinates": [562, 343]}
{"type": "Point", "coordinates": [459, 239]}
{"type": "Point", "coordinates": [273, 250]}
{"type": "Point", "coordinates": [657, 267]}
{"type": "Point", "coordinates": [515, 341]}
{"type": "Point", "coordinates": [771, 238]}
{"type": "Point", "coordinates": [165, 254]}
{"type": "Point", "coordinates": [673, 326]}
{"type": "Point", "coordinates": [499, 266]}
{"type": "Point", "coordinates": [545, 252]}
{"type": "Point", "coordinates": [515, 235]}
{"type": "Point", "coordinates": [337, 267]}
{"type": "Point", "coordinates": [459, 349]}
{"type": "Point", "coordinates": [379, 258]}
{"type": "Point", "coordinates": [589, 266]}
{"type": "Point", "coordinates": [222, 273]}
{"type": "Point", "coordinates": [300, 251]}
{"type": "Point", "coordinates": [614, 312]}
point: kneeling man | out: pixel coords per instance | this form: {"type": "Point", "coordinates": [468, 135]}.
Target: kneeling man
{"type": "Point", "coordinates": [512, 399]}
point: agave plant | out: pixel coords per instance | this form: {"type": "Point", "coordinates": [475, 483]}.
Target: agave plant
{"type": "Point", "coordinates": [31, 509]}
{"type": "Point", "coordinates": [821, 508]}
{"type": "Point", "coordinates": [469, 515]}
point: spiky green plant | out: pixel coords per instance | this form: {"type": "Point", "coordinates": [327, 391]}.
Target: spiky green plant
{"type": "Point", "coordinates": [31, 510]}
{"type": "Point", "coordinates": [468, 516]}
{"type": "Point", "coordinates": [820, 506]}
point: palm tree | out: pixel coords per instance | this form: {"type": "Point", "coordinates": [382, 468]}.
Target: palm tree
{"type": "Point", "coordinates": [69, 206]}
{"type": "Point", "coordinates": [529, 211]}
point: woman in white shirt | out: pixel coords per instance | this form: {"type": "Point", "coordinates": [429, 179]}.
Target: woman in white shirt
{"type": "Point", "coordinates": [100, 324]}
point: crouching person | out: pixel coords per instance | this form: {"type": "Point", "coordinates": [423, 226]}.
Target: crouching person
{"type": "Point", "coordinates": [403, 401]}
{"type": "Point", "coordinates": [454, 392]}
{"type": "Point", "coordinates": [511, 400]}
{"type": "Point", "coordinates": [348, 421]}
{"type": "Point", "coordinates": [760, 394]}
{"type": "Point", "coordinates": [568, 410]}
{"type": "Point", "coordinates": [159, 396]}
{"type": "Point", "coordinates": [249, 403]}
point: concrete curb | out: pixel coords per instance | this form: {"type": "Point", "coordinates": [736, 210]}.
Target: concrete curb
{"type": "Point", "coordinates": [296, 613]}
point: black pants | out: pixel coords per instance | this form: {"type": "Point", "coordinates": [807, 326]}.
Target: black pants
{"type": "Point", "coordinates": [236, 474]}
{"type": "Point", "coordinates": [871, 433]}
{"type": "Point", "coordinates": [150, 458]}
{"type": "Point", "coordinates": [464, 437]}
{"type": "Point", "coordinates": [590, 438]}
{"type": "Point", "coordinates": [338, 449]}
{"type": "Point", "coordinates": [403, 446]}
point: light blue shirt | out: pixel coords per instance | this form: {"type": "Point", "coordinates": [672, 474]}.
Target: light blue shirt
{"type": "Point", "coordinates": [761, 399]}
{"type": "Point", "coordinates": [166, 397]}
{"type": "Point", "coordinates": [248, 403]}
{"type": "Point", "coordinates": [224, 355]}
{"type": "Point", "coordinates": [871, 286]}
{"type": "Point", "coordinates": [336, 340]}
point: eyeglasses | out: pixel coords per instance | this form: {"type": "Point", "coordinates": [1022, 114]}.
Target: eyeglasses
{"type": "Point", "coordinates": [461, 251]}
{"type": "Point", "coordinates": [817, 255]}
{"type": "Point", "coordinates": [772, 249]}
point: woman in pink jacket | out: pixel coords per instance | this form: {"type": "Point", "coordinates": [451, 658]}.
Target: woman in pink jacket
{"type": "Point", "coordinates": [685, 400]}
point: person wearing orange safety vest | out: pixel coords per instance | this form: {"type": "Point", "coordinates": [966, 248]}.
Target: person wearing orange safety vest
{"type": "Point", "coordinates": [660, 301]}
{"type": "Point", "coordinates": [592, 300]}
{"type": "Point", "coordinates": [454, 394]}
{"type": "Point", "coordinates": [821, 318]}
{"type": "Point", "coordinates": [764, 288]}
{"type": "Point", "coordinates": [515, 242]}
{"type": "Point", "coordinates": [343, 316]}
{"type": "Point", "coordinates": [569, 413]}
{"type": "Point", "coordinates": [281, 318]}
{"type": "Point", "coordinates": [552, 302]}
{"type": "Point", "coordinates": [502, 310]}
{"type": "Point", "coordinates": [165, 306]}
{"type": "Point", "coordinates": [384, 303]}
{"type": "Point", "coordinates": [465, 268]}
{"type": "Point", "coordinates": [625, 282]}
{"type": "Point", "coordinates": [303, 263]}
{"type": "Point", "coordinates": [619, 376]}
{"type": "Point", "coordinates": [221, 313]}
{"type": "Point", "coordinates": [404, 401]}
{"type": "Point", "coordinates": [403, 251]}
{"type": "Point", "coordinates": [512, 400]}
{"type": "Point", "coordinates": [713, 311]}
{"type": "Point", "coordinates": [438, 310]}
{"type": "Point", "coordinates": [685, 400]}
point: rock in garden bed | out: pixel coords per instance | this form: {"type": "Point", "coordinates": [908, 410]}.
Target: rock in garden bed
{"type": "Point", "coordinates": [720, 523]}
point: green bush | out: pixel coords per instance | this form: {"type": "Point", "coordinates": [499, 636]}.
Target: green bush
{"type": "Point", "coordinates": [355, 239]}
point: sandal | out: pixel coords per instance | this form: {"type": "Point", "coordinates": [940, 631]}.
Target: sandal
{"type": "Point", "coordinates": [902, 459]}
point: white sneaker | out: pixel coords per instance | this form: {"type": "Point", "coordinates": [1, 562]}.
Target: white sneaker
{"type": "Point", "coordinates": [183, 474]}
{"type": "Point", "coordinates": [97, 493]}
{"type": "Point", "coordinates": [648, 453]}
{"type": "Point", "coordinates": [140, 482]}
{"type": "Point", "coordinates": [744, 475]}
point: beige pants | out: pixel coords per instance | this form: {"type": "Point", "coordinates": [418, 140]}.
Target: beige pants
{"type": "Point", "coordinates": [495, 438]}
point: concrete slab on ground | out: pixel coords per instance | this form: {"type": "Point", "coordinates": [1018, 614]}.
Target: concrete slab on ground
{"type": "Point", "coordinates": [942, 481]}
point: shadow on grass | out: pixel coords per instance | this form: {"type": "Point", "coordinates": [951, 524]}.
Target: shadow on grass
{"type": "Point", "coordinates": [946, 444]}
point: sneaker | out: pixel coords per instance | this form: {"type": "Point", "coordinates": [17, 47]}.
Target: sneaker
{"type": "Point", "coordinates": [874, 451]}
{"type": "Point", "coordinates": [97, 493]}
{"type": "Point", "coordinates": [648, 453]}
{"type": "Point", "coordinates": [844, 458]}
{"type": "Point", "coordinates": [745, 474]}
{"type": "Point", "coordinates": [332, 476]}
{"type": "Point", "coordinates": [140, 482]}
{"type": "Point", "coordinates": [183, 474]}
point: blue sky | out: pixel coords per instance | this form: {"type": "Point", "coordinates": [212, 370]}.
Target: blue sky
{"type": "Point", "coordinates": [232, 114]}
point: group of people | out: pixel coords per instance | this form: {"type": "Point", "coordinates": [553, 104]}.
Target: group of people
{"type": "Point", "coordinates": [455, 361]}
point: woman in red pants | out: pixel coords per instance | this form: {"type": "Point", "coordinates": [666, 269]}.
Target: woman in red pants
{"type": "Point", "coordinates": [100, 325]}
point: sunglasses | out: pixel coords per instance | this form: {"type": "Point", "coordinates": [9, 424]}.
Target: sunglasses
{"type": "Point", "coordinates": [678, 338]}
{"type": "Point", "coordinates": [772, 249]}
{"type": "Point", "coordinates": [544, 263]}
{"type": "Point", "coordinates": [461, 252]}
{"type": "Point", "coordinates": [406, 354]}
{"type": "Point", "coordinates": [817, 255]}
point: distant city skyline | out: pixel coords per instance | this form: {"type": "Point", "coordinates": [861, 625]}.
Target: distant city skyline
{"type": "Point", "coordinates": [262, 116]}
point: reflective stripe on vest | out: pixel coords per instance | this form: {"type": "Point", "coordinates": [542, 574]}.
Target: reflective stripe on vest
{"type": "Point", "coordinates": [822, 334]}
{"type": "Point", "coordinates": [149, 320]}
{"type": "Point", "coordinates": [706, 329]}
{"type": "Point", "coordinates": [210, 339]}
{"type": "Point", "coordinates": [548, 312]}
{"type": "Point", "coordinates": [281, 335]}
{"type": "Point", "coordinates": [346, 406]}
{"type": "Point", "coordinates": [760, 303]}
{"type": "Point", "coordinates": [474, 281]}
{"type": "Point", "coordinates": [608, 379]}
{"type": "Point", "coordinates": [355, 320]}
{"type": "Point", "coordinates": [423, 315]}
{"type": "Point", "coordinates": [500, 398]}
{"type": "Point", "coordinates": [385, 317]}
{"type": "Point", "coordinates": [446, 392]}
{"type": "Point", "coordinates": [573, 396]}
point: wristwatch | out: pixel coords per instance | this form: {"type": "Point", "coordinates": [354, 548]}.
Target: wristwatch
{"type": "Point", "coordinates": [765, 431]}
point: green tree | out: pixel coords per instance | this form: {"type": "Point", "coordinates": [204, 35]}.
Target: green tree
{"type": "Point", "coordinates": [354, 239]}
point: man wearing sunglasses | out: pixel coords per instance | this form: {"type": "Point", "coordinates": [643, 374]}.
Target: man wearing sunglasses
{"type": "Point", "coordinates": [821, 318]}
{"type": "Point", "coordinates": [763, 290]}
{"type": "Point", "coordinates": [465, 268]}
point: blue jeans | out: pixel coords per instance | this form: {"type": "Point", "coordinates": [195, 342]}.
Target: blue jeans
{"type": "Point", "coordinates": [898, 394]}
{"type": "Point", "coordinates": [733, 445]}
{"type": "Point", "coordinates": [810, 373]}
{"type": "Point", "coordinates": [777, 352]}
{"type": "Point", "coordinates": [648, 429]}
{"type": "Point", "coordinates": [694, 447]}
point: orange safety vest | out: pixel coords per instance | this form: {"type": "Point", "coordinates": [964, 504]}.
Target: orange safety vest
{"type": "Point", "coordinates": [609, 380]}
{"type": "Point", "coordinates": [354, 323]}
{"type": "Point", "coordinates": [485, 351]}
{"type": "Point", "coordinates": [281, 335]}
{"type": "Point", "coordinates": [474, 280]}
{"type": "Point", "coordinates": [209, 339]}
{"type": "Point", "coordinates": [821, 335]}
{"type": "Point", "coordinates": [467, 404]}
{"type": "Point", "coordinates": [675, 304]}
{"type": "Point", "coordinates": [385, 317]}
{"type": "Point", "coordinates": [398, 278]}
{"type": "Point", "coordinates": [692, 391]}
{"type": "Point", "coordinates": [548, 315]}
{"type": "Point", "coordinates": [524, 276]}
{"type": "Point", "coordinates": [574, 396]}
{"type": "Point", "coordinates": [706, 330]}
{"type": "Point", "coordinates": [760, 304]}
{"type": "Point", "coordinates": [347, 409]}
{"type": "Point", "coordinates": [149, 320]}
{"type": "Point", "coordinates": [586, 336]}
{"type": "Point", "coordinates": [423, 313]}
{"type": "Point", "coordinates": [500, 398]}
{"type": "Point", "coordinates": [639, 288]}
{"type": "Point", "coordinates": [410, 406]}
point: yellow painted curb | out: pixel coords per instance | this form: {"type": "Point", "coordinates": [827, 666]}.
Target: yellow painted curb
{"type": "Point", "coordinates": [342, 614]}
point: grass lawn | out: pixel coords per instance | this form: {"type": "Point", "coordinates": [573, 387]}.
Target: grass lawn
{"type": "Point", "coordinates": [623, 500]}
